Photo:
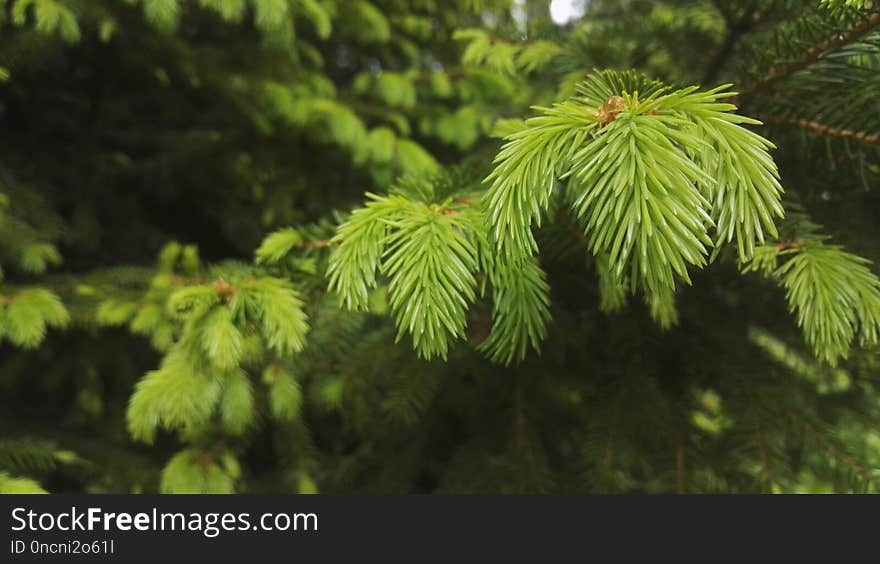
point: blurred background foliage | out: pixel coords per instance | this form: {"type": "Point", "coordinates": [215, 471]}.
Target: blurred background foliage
{"type": "Point", "coordinates": [152, 338]}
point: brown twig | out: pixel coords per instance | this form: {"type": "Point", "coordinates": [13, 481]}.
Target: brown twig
{"type": "Point", "coordinates": [811, 55]}
{"type": "Point", "coordinates": [567, 224]}
{"type": "Point", "coordinates": [759, 434]}
{"type": "Point", "coordinates": [318, 244]}
{"type": "Point", "coordinates": [822, 129]}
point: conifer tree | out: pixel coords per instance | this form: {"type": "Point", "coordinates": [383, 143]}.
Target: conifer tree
{"type": "Point", "coordinates": [374, 245]}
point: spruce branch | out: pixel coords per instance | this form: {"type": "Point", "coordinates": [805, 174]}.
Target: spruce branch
{"type": "Point", "coordinates": [10, 484]}
{"type": "Point", "coordinates": [835, 297]}
{"type": "Point", "coordinates": [431, 241]}
{"type": "Point", "coordinates": [833, 294]}
{"type": "Point", "coordinates": [526, 171]}
{"type": "Point", "coordinates": [649, 172]}
{"type": "Point", "coordinates": [819, 439]}
{"type": "Point", "coordinates": [811, 56]}
{"type": "Point", "coordinates": [196, 471]}
{"type": "Point", "coordinates": [277, 245]}
{"type": "Point", "coordinates": [26, 315]}
{"type": "Point", "coordinates": [212, 327]}
{"type": "Point", "coordinates": [839, 4]}
{"type": "Point", "coordinates": [521, 310]}
{"type": "Point", "coordinates": [821, 129]}
{"type": "Point", "coordinates": [429, 253]}
{"type": "Point", "coordinates": [612, 288]}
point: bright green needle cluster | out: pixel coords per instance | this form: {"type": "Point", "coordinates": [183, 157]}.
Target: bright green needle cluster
{"type": "Point", "coordinates": [429, 239]}
{"type": "Point", "coordinates": [832, 293]}
{"type": "Point", "coordinates": [227, 327]}
{"type": "Point", "coordinates": [657, 177]}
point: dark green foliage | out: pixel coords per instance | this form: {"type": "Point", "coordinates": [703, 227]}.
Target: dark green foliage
{"type": "Point", "coordinates": [376, 245]}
